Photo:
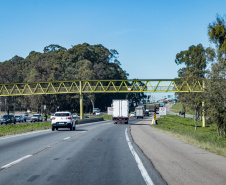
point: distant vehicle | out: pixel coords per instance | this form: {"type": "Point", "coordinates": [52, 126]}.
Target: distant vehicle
{"type": "Point", "coordinates": [96, 110]}
{"type": "Point", "coordinates": [25, 114]}
{"type": "Point", "coordinates": [75, 116]}
{"type": "Point", "coordinates": [139, 112]}
{"type": "Point", "coordinates": [63, 120]}
{"type": "Point", "coordinates": [151, 107]}
{"type": "Point", "coordinates": [157, 106]}
{"type": "Point", "coordinates": [36, 118]}
{"type": "Point", "coordinates": [182, 113]}
{"type": "Point", "coordinates": [132, 114]}
{"type": "Point", "coordinates": [146, 113]}
{"type": "Point", "coordinates": [28, 111]}
{"type": "Point", "coordinates": [52, 115]}
{"type": "Point", "coordinates": [19, 118]}
{"type": "Point", "coordinates": [120, 111]}
{"type": "Point", "coordinates": [160, 104]}
{"type": "Point", "coordinates": [98, 114]}
{"type": "Point", "coordinates": [8, 119]}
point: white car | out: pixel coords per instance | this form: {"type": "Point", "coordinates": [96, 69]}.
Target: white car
{"type": "Point", "coordinates": [75, 116]}
{"type": "Point", "coordinates": [36, 117]}
{"type": "Point", "coordinates": [63, 120]}
{"type": "Point", "coordinates": [98, 114]}
{"type": "Point", "coordinates": [132, 114]}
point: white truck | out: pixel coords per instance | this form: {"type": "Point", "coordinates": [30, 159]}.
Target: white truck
{"type": "Point", "coordinates": [120, 111]}
{"type": "Point", "coordinates": [139, 112]}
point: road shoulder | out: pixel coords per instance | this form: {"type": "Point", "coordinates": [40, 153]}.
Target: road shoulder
{"type": "Point", "coordinates": [178, 162]}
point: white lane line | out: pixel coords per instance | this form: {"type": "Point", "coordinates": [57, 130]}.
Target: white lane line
{"type": "Point", "coordinates": [15, 162]}
{"type": "Point", "coordinates": [140, 165]}
{"type": "Point", "coordinates": [67, 138]}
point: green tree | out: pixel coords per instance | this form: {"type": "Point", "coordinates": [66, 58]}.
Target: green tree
{"type": "Point", "coordinates": [56, 63]}
{"type": "Point", "coordinates": [216, 86]}
{"type": "Point", "coordinates": [195, 60]}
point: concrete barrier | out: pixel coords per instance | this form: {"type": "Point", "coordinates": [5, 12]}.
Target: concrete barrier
{"type": "Point", "coordinates": [82, 121]}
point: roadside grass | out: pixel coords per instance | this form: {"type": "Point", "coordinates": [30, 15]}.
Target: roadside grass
{"type": "Point", "coordinates": [106, 117]}
{"type": "Point", "coordinates": [12, 129]}
{"type": "Point", "coordinates": [176, 108]}
{"type": "Point", "coordinates": [184, 129]}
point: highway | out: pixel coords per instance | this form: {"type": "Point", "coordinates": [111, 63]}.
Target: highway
{"type": "Point", "coordinates": [96, 153]}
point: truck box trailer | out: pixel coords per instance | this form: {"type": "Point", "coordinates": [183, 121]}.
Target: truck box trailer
{"type": "Point", "coordinates": [151, 107]}
{"type": "Point", "coordinates": [157, 106]}
{"type": "Point", "coordinates": [139, 112]}
{"type": "Point", "coordinates": [120, 111]}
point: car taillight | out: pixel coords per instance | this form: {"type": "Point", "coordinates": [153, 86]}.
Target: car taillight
{"type": "Point", "coordinates": [69, 118]}
{"type": "Point", "coordinates": [54, 118]}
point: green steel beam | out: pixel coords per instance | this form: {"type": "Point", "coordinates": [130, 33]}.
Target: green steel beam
{"type": "Point", "coordinates": [100, 86]}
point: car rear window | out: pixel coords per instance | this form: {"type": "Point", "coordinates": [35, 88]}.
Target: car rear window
{"type": "Point", "coordinates": [62, 114]}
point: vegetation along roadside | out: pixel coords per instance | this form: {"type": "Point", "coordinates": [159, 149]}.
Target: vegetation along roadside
{"type": "Point", "coordinates": [176, 108]}
{"type": "Point", "coordinates": [184, 129]}
{"type": "Point", "coordinates": [23, 128]}
{"type": "Point", "coordinates": [29, 127]}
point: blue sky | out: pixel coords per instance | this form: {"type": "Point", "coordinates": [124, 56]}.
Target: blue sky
{"type": "Point", "coordinates": [147, 34]}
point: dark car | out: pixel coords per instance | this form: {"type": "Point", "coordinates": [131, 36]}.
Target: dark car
{"type": "Point", "coordinates": [181, 113]}
{"type": "Point", "coordinates": [8, 119]}
{"type": "Point", "coordinates": [25, 114]}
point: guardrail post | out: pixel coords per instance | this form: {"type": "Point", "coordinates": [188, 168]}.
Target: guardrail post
{"type": "Point", "coordinates": [203, 110]}
{"type": "Point", "coordinates": [81, 100]}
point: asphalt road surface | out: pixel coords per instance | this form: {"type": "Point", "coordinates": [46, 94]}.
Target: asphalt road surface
{"type": "Point", "coordinates": [96, 153]}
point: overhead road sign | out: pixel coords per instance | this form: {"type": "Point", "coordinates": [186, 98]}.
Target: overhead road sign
{"type": "Point", "coordinates": [100, 86]}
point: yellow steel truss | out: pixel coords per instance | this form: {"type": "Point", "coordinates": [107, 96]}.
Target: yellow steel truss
{"type": "Point", "coordinates": [100, 86]}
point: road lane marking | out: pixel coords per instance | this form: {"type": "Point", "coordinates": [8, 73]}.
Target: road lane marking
{"type": "Point", "coordinates": [140, 165]}
{"type": "Point", "coordinates": [67, 138]}
{"type": "Point", "coordinates": [15, 162]}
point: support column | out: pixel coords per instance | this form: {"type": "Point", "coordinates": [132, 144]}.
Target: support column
{"type": "Point", "coordinates": [81, 100]}
{"type": "Point", "coordinates": [203, 110]}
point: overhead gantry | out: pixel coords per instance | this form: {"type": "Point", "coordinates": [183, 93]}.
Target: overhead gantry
{"type": "Point", "coordinates": [101, 86]}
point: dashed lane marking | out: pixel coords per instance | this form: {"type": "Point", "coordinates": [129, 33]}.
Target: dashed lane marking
{"type": "Point", "coordinates": [15, 162]}
{"type": "Point", "coordinates": [67, 138]}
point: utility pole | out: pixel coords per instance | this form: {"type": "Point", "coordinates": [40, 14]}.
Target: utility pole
{"type": "Point", "coordinates": [0, 108]}
{"type": "Point", "coordinates": [5, 105]}
{"type": "Point", "coordinates": [203, 107]}
{"type": "Point", "coordinates": [81, 100]}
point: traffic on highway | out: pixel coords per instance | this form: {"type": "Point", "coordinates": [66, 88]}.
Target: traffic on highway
{"type": "Point", "coordinates": [124, 150]}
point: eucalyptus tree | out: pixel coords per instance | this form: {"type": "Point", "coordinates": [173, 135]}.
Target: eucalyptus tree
{"type": "Point", "coordinates": [195, 60]}
{"type": "Point", "coordinates": [216, 88]}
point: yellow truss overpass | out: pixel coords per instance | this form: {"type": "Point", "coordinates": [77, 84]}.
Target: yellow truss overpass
{"type": "Point", "coordinates": [100, 86]}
